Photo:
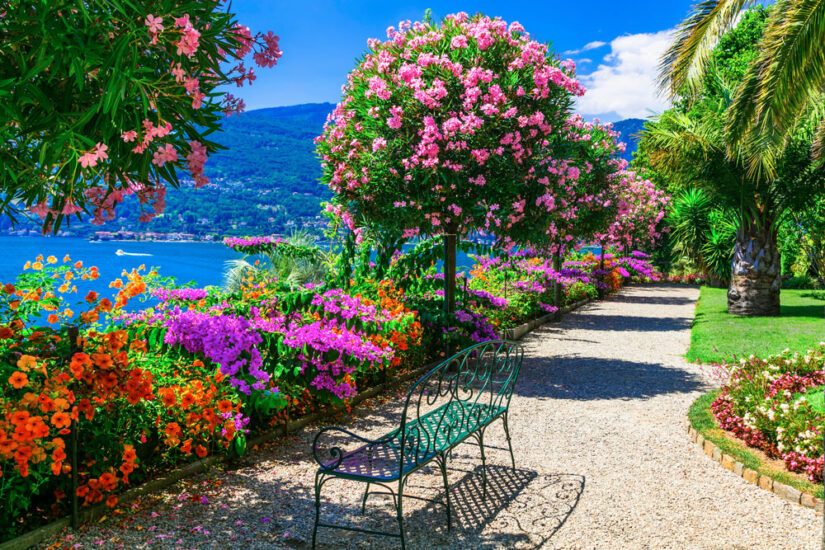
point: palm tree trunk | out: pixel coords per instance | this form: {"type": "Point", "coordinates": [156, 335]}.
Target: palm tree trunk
{"type": "Point", "coordinates": [756, 275]}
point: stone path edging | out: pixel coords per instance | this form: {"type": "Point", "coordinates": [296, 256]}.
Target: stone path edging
{"type": "Point", "coordinates": [517, 333]}
{"type": "Point", "coordinates": [781, 490]}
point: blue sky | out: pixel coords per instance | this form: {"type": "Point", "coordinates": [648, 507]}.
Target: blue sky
{"type": "Point", "coordinates": [616, 43]}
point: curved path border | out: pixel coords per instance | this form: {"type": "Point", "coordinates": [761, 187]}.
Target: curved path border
{"type": "Point", "coordinates": [728, 462]}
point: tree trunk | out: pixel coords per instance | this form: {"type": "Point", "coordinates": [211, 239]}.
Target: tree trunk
{"type": "Point", "coordinates": [756, 275]}
{"type": "Point", "coordinates": [556, 285]}
{"type": "Point", "coordinates": [449, 269]}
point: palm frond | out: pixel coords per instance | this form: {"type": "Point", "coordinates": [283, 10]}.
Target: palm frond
{"type": "Point", "coordinates": [687, 58]}
{"type": "Point", "coordinates": [818, 147]}
{"type": "Point", "coordinates": [780, 86]}
{"type": "Point", "coordinates": [236, 272]}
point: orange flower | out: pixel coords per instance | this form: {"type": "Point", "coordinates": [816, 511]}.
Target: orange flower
{"type": "Point", "coordinates": [6, 333]}
{"type": "Point", "coordinates": [37, 266]}
{"type": "Point", "coordinates": [224, 405]}
{"type": "Point", "coordinates": [201, 451]}
{"type": "Point", "coordinates": [9, 288]}
{"type": "Point", "coordinates": [168, 396]}
{"type": "Point", "coordinates": [129, 454]}
{"type": "Point", "coordinates": [18, 380]}
{"type": "Point", "coordinates": [108, 481]}
{"type": "Point", "coordinates": [26, 362]}
{"type": "Point", "coordinates": [78, 264]}
{"type": "Point", "coordinates": [117, 283]}
{"type": "Point", "coordinates": [91, 296]}
{"type": "Point", "coordinates": [127, 468]}
{"type": "Point", "coordinates": [51, 260]}
{"type": "Point", "coordinates": [66, 259]}
{"type": "Point", "coordinates": [172, 430]}
{"type": "Point", "coordinates": [19, 417]}
{"type": "Point", "coordinates": [102, 360]}
{"type": "Point", "coordinates": [61, 420]}
{"type": "Point", "coordinates": [52, 319]}
{"type": "Point", "coordinates": [105, 305]}
{"type": "Point", "coordinates": [187, 400]}
{"type": "Point", "coordinates": [186, 448]}
{"type": "Point", "coordinates": [59, 455]}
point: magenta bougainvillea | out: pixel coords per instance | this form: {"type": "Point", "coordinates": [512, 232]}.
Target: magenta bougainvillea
{"type": "Point", "coordinates": [118, 100]}
{"type": "Point", "coordinates": [464, 125]}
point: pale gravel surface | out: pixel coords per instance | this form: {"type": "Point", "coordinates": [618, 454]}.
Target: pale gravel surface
{"type": "Point", "coordinates": [603, 462]}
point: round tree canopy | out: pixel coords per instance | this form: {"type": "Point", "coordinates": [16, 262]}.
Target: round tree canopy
{"type": "Point", "coordinates": [461, 126]}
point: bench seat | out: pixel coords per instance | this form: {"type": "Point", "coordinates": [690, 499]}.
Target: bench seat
{"type": "Point", "coordinates": [381, 461]}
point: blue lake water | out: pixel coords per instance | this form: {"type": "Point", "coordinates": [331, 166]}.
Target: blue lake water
{"type": "Point", "coordinates": [202, 263]}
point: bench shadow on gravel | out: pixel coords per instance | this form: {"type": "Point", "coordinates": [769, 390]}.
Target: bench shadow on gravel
{"type": "Point", "coordinates": [588, 378]}
{"type": "Point", "coordinates": [522, 509]}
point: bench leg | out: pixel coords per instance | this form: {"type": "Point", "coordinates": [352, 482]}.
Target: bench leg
{"type": "Point", "coordinates": [364, 501]}
{"type": "Point", "coordinates": [318, 485]}
{"type": "Point", "coordinates": [401, 513]}
{"type": "Point", "coordinates": [442, 463]}
{"type": "Point", "coordinates": [509, 445]}
{"type": "Point", "coordinates": [483, 462]}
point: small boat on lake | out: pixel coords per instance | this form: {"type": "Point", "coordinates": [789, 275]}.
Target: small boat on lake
{"type": "Point", "coordinates": [120, 252]}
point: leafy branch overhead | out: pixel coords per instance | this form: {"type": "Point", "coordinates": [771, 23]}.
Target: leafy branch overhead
{"type": "Point", "coordinates": [114, 101]}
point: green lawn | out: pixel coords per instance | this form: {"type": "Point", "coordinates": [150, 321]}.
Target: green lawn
{"type": "Point", "coordinates": [717, 336]}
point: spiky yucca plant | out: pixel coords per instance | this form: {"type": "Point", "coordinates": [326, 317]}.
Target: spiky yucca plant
{"type": "Point", "coordinates": [289, 269]}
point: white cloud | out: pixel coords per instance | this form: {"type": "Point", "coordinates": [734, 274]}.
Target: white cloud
{"type": "Point", "coordinates": [587, 47]}
{"type": "Point", "coordinates": [624, 83]}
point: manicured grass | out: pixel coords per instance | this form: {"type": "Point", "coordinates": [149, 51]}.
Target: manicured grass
{"type": "Point", "coordinates": [718, 336]}
{"type": "Point", "coordinates": [703, 421]}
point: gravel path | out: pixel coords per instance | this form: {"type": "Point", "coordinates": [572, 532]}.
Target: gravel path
{"type": "Point", "coordinates": [603, 461]}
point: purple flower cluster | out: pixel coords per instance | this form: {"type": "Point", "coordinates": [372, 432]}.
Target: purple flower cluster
{"type": "Point", "coordinates": [332, 350]}
{"type": "Point", "coordinates": [183, 294]}
{"type": "Point", "coordinates": [496, 301]}
{"type": "Point", "coordinates": [227, 340]}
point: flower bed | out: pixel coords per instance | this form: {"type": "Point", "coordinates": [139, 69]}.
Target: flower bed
{"type": "Point", "coordinates": [774, 404]}
{"type": "Point", "coordinates": [202, 368]}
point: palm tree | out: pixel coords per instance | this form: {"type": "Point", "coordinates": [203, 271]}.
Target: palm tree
{"type": "Point", "coordinates": [691, 141]}
{"type": "Point", "coordinates": [782, 86]}
{"type": "Point", "coordinates": [288, 268]}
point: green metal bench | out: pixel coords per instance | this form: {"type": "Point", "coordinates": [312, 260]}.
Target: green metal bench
{"type": "Point", "coordinates": [454, 401]}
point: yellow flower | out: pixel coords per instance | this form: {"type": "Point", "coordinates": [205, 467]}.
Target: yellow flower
{"type": "Point", "coordinates": [63, 288]}
{"type": "Point", "coordinates": [66, 258]}
{"type": "Point", "coordinates": [28, 265]}
{"type": "Point", "coordinates": [51, 260]}
{"type": "Point", "coordinates": [69, 276]}
{"type": "Point", "coordinates": [68, 313]}
{"type": "Point", "coordinates": [37, 266]}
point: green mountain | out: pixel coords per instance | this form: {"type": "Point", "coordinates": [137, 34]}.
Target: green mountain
{"type": "Point", "coordinates": [266, 181]}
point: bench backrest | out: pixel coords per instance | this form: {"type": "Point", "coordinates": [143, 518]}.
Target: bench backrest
{"type": "Point", "coordinates": [458, 396]}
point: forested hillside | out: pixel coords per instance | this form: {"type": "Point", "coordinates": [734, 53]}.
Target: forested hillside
{"type": "Point", "coordinates": [266, 181]}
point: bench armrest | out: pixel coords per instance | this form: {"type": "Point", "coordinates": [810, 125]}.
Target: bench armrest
{"type": "Point", "coordinates": [335, 453]}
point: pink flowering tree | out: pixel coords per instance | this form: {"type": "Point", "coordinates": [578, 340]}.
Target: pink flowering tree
{"type": "Point", "coordinates": [639, 214]}
{"type": "Point", "coordinates": [458, 127]}
{"type": "Point", "coordinates": [115, 100]}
